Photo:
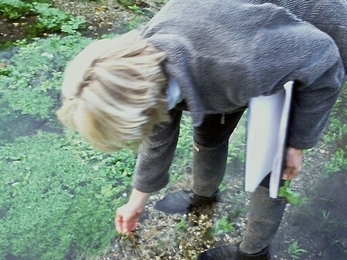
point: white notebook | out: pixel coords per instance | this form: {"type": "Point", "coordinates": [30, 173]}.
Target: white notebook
{"type": "Point", "coordinates": [266, 138]}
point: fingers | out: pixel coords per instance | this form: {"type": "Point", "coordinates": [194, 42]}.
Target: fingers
{"type": "Point", "coordinates": [290, 173]}
{"type": "Point", "coordinates": [130, 226]}
{"type": "Point", "coordinates": [293, 163]}
{"type": "Point", "coordinates": [126, 220]}
{"type": "Point", "coordinates": [119, 223]}
{"type": "Point", "coordinates": [123, 226]}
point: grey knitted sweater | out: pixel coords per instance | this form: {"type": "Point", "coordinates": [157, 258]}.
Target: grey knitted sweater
{"type": "Point", "coordinates": [222, 53]}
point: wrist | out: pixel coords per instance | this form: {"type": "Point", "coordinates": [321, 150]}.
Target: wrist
{"type": "Point", "coordinates": [295, 150]}
{"type": "Point", "coordinates": [138, 198]}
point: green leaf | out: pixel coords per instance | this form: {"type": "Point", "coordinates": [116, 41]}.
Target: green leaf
{"type": "Point", "coordinates": [293, 198]}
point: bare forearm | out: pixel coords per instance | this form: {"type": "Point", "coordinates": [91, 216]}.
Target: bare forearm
{"type": "Point", "coordinates": [138, 197]}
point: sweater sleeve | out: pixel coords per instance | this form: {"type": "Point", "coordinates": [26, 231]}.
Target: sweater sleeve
{"type": "Point", "coordinates": [152, 165]}
{"type": "Point", "coordinates": [309, 57]}
{"type": "Point", "coordinates": [329, 16]}
{"type": "Point", "coordinates": [311, 107]}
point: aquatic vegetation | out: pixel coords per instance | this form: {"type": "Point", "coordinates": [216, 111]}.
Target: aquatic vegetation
{"type": "Point", "coordinates": [30, 81]}
{"type": "Point", "coordinates": [58, 200]}
{"type": "Point", "coordinates": [48, 18]}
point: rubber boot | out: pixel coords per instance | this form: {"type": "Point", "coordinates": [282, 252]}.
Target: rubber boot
{"type": "Point", "coordinates": [209, 166]}
{"type": "Point", "coordinates": [232, 252]}
{"type": "Point", "coordinates": [264, 217]}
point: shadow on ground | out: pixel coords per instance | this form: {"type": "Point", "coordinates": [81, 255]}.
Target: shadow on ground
{"type": "Point", "coordinates": [320, 225]}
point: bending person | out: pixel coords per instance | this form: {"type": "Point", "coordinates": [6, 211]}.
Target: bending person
{"type": "Point", "coordinates": [210, 59]}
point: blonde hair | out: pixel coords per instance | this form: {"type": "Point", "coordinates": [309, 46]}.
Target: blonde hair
{"type": "Point", "coordinates": [114, 92]}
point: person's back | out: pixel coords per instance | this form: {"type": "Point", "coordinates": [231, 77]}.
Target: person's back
{"type": "Point", "coordinates": [329, 16]}
{"type": "Point", "coordinates": [222, 53]}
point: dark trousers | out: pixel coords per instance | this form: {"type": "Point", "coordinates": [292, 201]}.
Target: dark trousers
{"type": "Point", "coordinates": [215, 130]}
{"type": "Point", "coordinates": [210, 152]}
{"type": "Point", "coordinates": [211, 140]}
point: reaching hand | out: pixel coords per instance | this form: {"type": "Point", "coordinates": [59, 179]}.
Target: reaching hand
{"type": "Point", "coordinates": [128, 215]}
{"type": "Point", "coordinates": [293, 163]}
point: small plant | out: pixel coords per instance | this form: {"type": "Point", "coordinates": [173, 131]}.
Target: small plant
{"type": "Point", "coordinates": [14, 9]}
{"type": "Point", "coordinates": [223, 225]}
{"type": "Point", "coordinates": [337, 162]}
{"type": "Point", "coordinates": [295, 251]}
{"type": "Point", "coordinates": [135, 8]}
{"type": "Point", "coordinates": [223, 186]}
{"type": "Point", "coordinates": [325, 215]}
{"type": "Point", "coordinates": [329, 225]}
{"type": "Point", "coordinates": [293, 198]}
{"type": "Point", "coordinates": [182, 225]}
{"type": "Point", "coordinates": [53, 20]}
{"type": "Point", "coordinates": [49, 19]}
{"type": "Point", "coordinates": [72, 25]}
